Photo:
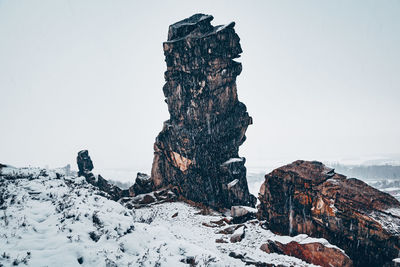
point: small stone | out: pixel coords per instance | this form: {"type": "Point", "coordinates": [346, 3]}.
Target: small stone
{"type": "Point", "coordinates": [80, 260]}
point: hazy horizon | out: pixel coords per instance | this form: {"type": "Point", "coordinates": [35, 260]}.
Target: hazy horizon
{"type": "Point", "coordinates": [320, 79]}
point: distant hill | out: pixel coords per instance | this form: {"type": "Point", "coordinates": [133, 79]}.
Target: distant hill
{"type": "Point", "coordinates": [368, 172]}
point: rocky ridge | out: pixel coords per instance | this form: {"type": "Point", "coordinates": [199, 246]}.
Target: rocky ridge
{"type": "Point", "coordinates": [85, 167]}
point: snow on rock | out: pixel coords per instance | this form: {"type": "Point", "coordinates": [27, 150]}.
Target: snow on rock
{"type": "Point", "coordinates": [238, 235]}
{"type": "Point", "coordinates": [232, 160]}
{"type": "Point", "coordinates": [233, 183]}
{"type": "Point", "coordinates": [47, 219]}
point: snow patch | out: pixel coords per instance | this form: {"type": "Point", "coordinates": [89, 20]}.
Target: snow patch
{"type": "Point", "coordinates": [232, 160]}
{"type": "Point", "coordinates": [233, 183]}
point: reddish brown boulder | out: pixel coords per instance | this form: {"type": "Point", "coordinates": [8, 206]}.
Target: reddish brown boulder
{"type": "Point", "coordinates": [314, 253]}
{"type": "Point", "coordinates": [310, 198]}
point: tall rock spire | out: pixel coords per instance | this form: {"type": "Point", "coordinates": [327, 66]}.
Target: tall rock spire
{"type": "Point", "coordinates": [197, 150]}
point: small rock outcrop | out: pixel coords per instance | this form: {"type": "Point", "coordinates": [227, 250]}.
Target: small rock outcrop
{"type": "Point", "coordinates": [146, 199]}
{"type": "Point", "coordinates": [143, 185]}
{"type": "Point", "coordinates": [85, 167]}
{"type": "Point", "coordinates": [197, 150]}
{"type": "Point", "coordinates": [306, 197]}
{"type": "Point", "coordinates": [314, 253]}
{"type": "Point", "coordinates": [85, 164]}
{"type": "Point", "coordinates": [241, 214]}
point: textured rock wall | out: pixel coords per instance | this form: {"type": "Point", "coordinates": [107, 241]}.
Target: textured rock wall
{"type": "Point", "coordinates": [309, 198]}
{"type": "Point", "coordinates": [197, 150]}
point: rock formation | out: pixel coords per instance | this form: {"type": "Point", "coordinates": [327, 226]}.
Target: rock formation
{"type": "Point", "coordinates": [85, 167]}
{"type": "Point", "coordinates": [85, 164]}
{"type": "Point", "coordinates": [197, 150]}
{"type": "Point", "coordinates": [143, 185]}
{"type": "Point", "coordinates": [310, 198]}
{"type": "Point", "coordinates": [314, 253]}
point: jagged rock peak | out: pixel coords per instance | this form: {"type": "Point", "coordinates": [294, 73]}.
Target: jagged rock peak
{"type": "Point", "coordinates": [196, 26]}
{"type": "Point", "coordinates": [198, 23]}
{"type": "Point", "coordinates": [306, 197]}
{"type": "Point", "coordinates": [197, 150]}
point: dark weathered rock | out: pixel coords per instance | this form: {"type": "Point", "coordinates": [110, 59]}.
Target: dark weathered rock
{"type": "Point", "coordinates": [310, 198]}
{"type": "Point", "coordinates": [314, 253]}
{"type": "Point", "coordinates": [197, 150]}
{"type": "Point", "coordinates": [143, 184]}
{"type": "Point", "coordinates": [85, 164]}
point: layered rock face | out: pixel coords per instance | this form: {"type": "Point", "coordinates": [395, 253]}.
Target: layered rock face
{"type": "Point", "coordinates": [142, 185]}
{"type": "Point", "coordinates": [310, 198]}
{"type": "Point", "coordinates": [197, 150]}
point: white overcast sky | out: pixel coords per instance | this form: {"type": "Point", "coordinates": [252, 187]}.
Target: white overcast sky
{"type": "Point", "coordinates": [321, 79]}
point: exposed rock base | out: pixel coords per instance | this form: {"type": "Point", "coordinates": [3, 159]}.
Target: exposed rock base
{"type": "Point", "coordinates": [310, 198]}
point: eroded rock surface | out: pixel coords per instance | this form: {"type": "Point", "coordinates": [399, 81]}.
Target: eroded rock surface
{"type": "Point", "coordinates": [197, 149]}
{"type": "Point", "coordinates": [310, 198]}
{"type": "Point", "coordinates": [315, 253]}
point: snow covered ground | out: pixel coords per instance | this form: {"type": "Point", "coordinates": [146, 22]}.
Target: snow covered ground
{"type": "Point", "coordinates": [47, 219]}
